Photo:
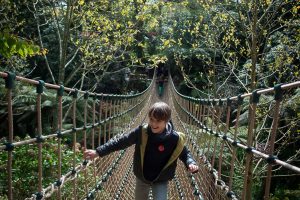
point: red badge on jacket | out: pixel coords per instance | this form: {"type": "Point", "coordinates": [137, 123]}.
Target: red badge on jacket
{"type": "Point", "coordinates": [161, 148]}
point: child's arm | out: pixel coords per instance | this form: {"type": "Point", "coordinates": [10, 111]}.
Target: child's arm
{"type": "Point", "coordinates": [112, 145]}
{"type": "Point", "coordinates": [188, 160]}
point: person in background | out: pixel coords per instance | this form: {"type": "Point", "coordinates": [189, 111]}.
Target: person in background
{"type": "Point", "coordinates": [161, 85]}
{"type": "Point", "coordinates": [157, 149]}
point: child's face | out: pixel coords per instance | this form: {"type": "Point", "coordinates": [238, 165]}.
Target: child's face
{"type": "Point", "coordinates": [157, 126]}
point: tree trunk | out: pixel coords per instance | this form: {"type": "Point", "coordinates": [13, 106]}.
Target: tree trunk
{"type": "Point", "coordinates": [253, 45]}
{"type": "Point", "coordinates": [140, 34]}
{"type": "Point", "coordinates": [65, 39]}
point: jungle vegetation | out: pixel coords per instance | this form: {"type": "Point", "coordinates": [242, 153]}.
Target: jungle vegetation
{"type": "Point", "coordinates": [213, 48]}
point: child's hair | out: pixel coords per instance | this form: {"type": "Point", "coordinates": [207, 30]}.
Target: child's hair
{"type": "Point", "coordinates": [160, 111]}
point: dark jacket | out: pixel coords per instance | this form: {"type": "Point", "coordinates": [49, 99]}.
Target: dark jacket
{"type": "Point", "coordinates": [155, 155]}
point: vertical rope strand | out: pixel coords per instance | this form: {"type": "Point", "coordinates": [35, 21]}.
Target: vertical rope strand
{"type": "Point", "coordinates": [9, 84]}
{"type": "Point", "coordinates": [74, 144]}
{"type": "Point", "coordinates": [59, 135]}
{"type": "Point", "coordinates": [100, 120]}
{"type": "Point", "coordinates": [39, 136]}
{"type": "Point", "coordinates": [276, 111]}
{"type": "Point", "coordinates": [86, 96]}
{"type": "Point", "coordinates": [249, 157]}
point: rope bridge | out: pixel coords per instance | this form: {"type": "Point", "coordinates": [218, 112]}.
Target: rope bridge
{"type": "Point", "coordinates": [215, 142]}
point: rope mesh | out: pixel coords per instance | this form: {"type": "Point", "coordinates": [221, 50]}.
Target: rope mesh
{"type": "Point", "coordinates": [108, 116]}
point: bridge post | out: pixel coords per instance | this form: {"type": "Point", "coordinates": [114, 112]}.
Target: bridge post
{"type": "Point", "coordinates": [74, 95]}
{"type": "Point", "coordinates": [39, 91]}
{"type": "Point", "coordinates": [60, 93]}
{"type": "Point", "coordinates": [278, 99]}
{"type": "Point", "coordinates": [9, 84]}
{"type": "Point", "coordinates": [105, 123]}
{"type": "Point", "coordinates": [110, 116]}
{"type": "Point", "coordinates": [246, 194]}
{"type": "Point", "coordinates": [86, 97]}
{"type": "Point", "coordinates": [100, 118]}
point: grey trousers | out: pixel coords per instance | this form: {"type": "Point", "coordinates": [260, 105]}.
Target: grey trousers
{"type": "Point", "coordinates": [159, 190]}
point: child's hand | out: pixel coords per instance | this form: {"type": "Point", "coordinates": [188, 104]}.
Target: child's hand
{"type": "Point", "coordinates": [193, 168]}
{"type": "Point", "coordinates": [90, 154]}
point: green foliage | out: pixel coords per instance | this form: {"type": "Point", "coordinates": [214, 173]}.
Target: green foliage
{"type": "Point", "coordinates": [285, 194]}
{"type": "Point", "coordinates": [25, 167]}
{"type": "Point", "coordinates": [217, 36]}
{"type": "Point", "coordinates": [208, 42]}
{"type": "Point", "coordinates": [11, 45]}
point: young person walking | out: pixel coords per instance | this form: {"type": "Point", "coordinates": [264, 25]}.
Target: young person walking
{"type": "Point", "coordinates": [157, 148]}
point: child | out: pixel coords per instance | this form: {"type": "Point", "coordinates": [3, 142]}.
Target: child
{"type": "Point", "coordinates": [157, 148]}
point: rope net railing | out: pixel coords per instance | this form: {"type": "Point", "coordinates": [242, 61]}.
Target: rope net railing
{"type": "Point", "coordinates": [104, 116]}
{"type": "Point", "coordinates": [227, 158]}
{"type": "Point", "coordinates": [232, 152]}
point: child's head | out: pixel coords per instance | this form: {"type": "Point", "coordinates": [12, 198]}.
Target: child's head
{"type": "Point", "coordinates": [159, 114]}
{"type": "Point", "coordinates": [160, 111]}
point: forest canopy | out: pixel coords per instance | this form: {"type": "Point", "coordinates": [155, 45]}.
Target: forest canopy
{"type": "Point", "coordinates": [218, 47]}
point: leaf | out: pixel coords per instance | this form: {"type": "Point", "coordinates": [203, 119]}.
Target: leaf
{"type": "Point", "coordinates": [81, 2]}
{"type": "Point", "coordinates": [5, 44]}
{"type": "Point", "coordinates": [11, 45]}
{"type": "Point", "coordinates": [166, 43]}
{"type": "Point", "coordinates": [47, 103]}
{"type": "Point", "coordinates": [20, 52]}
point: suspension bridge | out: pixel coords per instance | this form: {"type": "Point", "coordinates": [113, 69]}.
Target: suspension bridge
{"type": "Point", "coordinates": [227, 159]}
